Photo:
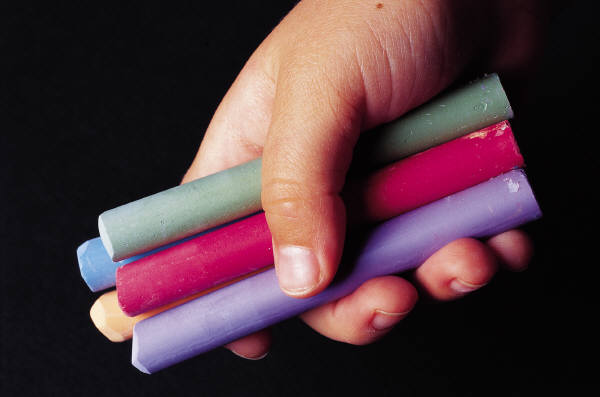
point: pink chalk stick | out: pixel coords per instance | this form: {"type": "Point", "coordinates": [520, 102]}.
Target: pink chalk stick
{"type": "Point", "coordinates": [245, 246]}
{"type": "Point", "coordinates": [195, 265]}
{"type": "Point", "coordinates": [434, 173]}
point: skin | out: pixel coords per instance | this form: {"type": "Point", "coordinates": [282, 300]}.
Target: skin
{"type": "Point", "coordinates": [330, 70]}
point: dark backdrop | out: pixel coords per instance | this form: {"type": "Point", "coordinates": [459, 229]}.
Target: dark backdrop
{"type": "Point", "coordinates": [100, 106]}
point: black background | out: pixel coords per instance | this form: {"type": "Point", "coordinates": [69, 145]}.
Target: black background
{"type": "Point", "coordinates": [100, 106]}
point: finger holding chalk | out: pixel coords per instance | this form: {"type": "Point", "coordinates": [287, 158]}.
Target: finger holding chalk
{"type": "Point", "coordinates": [463, 266]}
{"type": "Point", "coordinates": [472, 262]}
{"type": "Point", "coordinates": [367, 314]}
{"type": "Point", "coordinates": [513, 249]}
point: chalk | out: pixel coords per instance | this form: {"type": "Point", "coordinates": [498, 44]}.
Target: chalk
{"type": "Point", "coordinates": [181, 211]}
{"type": "Point", "coordinates": [110, 320]}
{"type": "Point", "coordinates": [194, 265]}
{"type": "Point", "coordinates": [448, 116]}
{"type": "Point", "coordinates": [400, 244]}
{"type": "Point", "coordinates": [245, 246]}
{"type": "Point", "coordinates": [433, 174]}
{"type": "Point", "coordinates": [206, 202]}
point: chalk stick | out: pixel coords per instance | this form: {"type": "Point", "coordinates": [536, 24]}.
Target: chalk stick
{"type": "Point", "coordinates": [400, 244]}
{"type": "Point", "coordinates": [201, 204]}
{"type": "Point", "coordinates": [99, 271]}
{"type": "Point", "coordinates": [110, 320]}
{"type": "Point", "coordinates": [434, 173]}
{"type": "Point", "coordinates": [181, 211]}
{"type": "Point", "coordinates": [245, 246]}
{"type": "Point", "coordinates": [194, 265]}
{"type": "Point", "coordinates": [448, 116]}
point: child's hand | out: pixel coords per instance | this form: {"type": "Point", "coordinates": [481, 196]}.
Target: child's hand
{"type": "Point", "coordinates": [330, 70]}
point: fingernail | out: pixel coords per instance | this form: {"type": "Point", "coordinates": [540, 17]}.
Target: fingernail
{"type": "Point", "coordinates": [383, 320]}
{"type": "Point", "coordinates": [249, 358]}
{"type": "Point", "coordinates": [462, 287]}
{"type": "Point", "coordinates": [298, 269]}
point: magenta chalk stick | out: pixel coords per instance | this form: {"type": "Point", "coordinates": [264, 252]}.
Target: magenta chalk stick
{"type": "Point", "coordinates": [434, 173]}
{"type": "Point", "coordinates": [195, 265]}
{"type": "Point", "coordinates": [397, 245]}
{"type": "Point", "coordinates": [245, 246]}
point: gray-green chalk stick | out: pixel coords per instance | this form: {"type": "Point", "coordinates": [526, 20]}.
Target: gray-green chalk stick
{"type": "Point", "coordinates": [181, 211]}
{"type": "Point", "coordinates": [188, 209]}
{"type": "Point", "coordinates": [446, 117]}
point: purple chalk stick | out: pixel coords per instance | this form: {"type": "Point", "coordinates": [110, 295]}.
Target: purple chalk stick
{"type": "Point", "coordinates": [397, 245]}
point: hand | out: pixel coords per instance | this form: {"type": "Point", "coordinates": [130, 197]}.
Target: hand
{"type": "Point", "coordinates": [330, 70]}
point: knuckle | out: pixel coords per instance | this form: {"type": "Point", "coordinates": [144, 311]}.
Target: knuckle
{"type": "Point", "coordinates": [284, 198]}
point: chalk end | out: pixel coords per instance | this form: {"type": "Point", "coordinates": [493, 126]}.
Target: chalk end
{"type": "Point", "coordinates": [99, 316]}
{"type": "Point", "coordinates": [87, 268]}
{"type": "Point", "coordinates": [82, 261]}
{"type": "Point", "coordinates": [139, 366]}
{"type": "Point", "coordinates": [106, 239]}
{"type": "Point", "coordinates": [81, 250]}
{"type": "Point", "coordinates": [135, 355]}
{"type": "Point", "coordinates": [510, 114]}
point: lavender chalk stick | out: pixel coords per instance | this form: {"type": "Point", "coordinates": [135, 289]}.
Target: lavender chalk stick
{"type": "Point", "coordinates": [397, 245]}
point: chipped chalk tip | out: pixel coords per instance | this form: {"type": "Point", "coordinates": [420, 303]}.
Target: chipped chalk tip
{"type": "Point", "coordinates": [105, 238]}
{"type": "Point", "coordinates": [134, 356]}
{"type": "Point", "coordinates": [139, 366]}
{"type": "Point", "coordinates": [509, 110]}
{"type": "Point", "coordinates": [513, 186]}
{"type": "Point", "coordinates": [510, 114]}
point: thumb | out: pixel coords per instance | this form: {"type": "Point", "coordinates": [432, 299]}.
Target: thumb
{"type": "Point", "coordinates": [306, 155]}
{"type": "Point", "coordinates": [334, 76]}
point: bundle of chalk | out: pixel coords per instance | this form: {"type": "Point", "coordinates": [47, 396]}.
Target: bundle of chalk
{"type": "Point", "coordinates": [183, 289]}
